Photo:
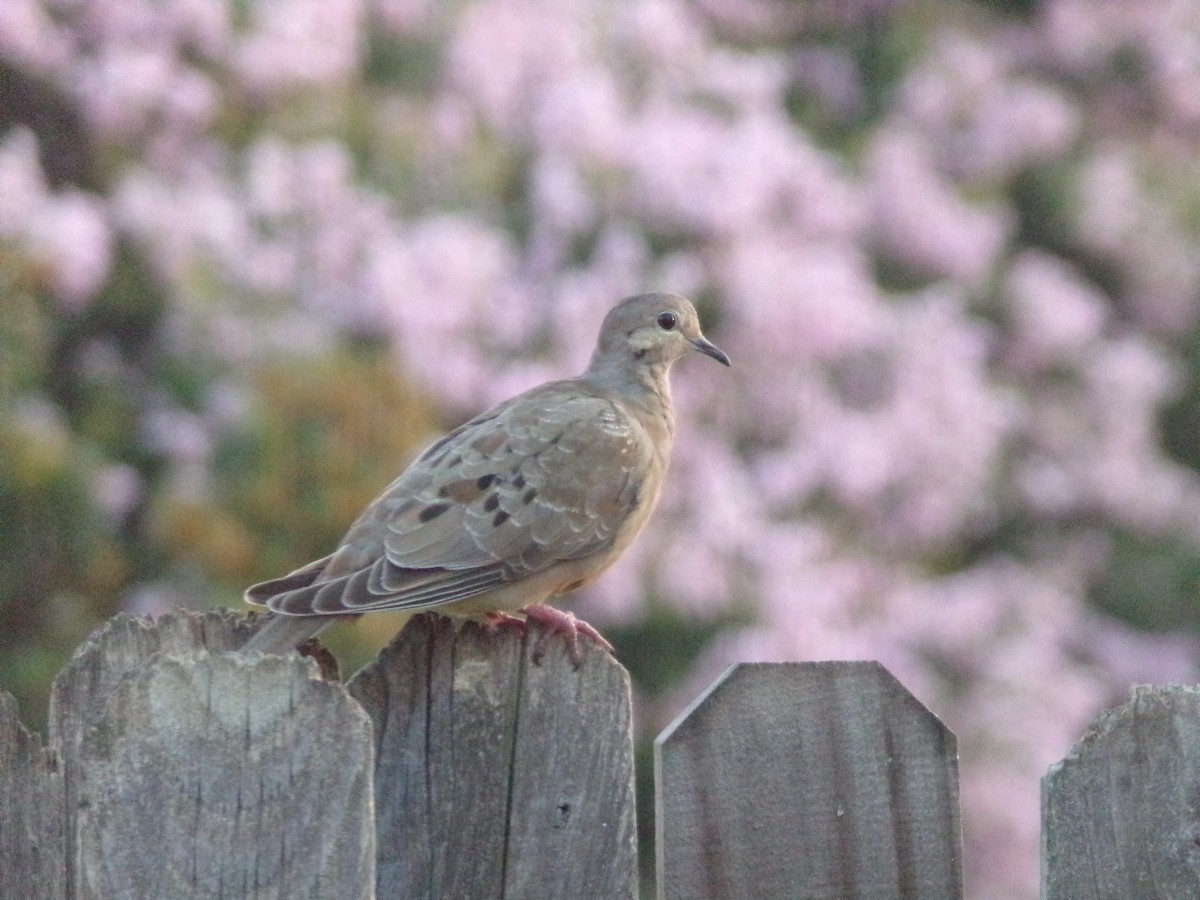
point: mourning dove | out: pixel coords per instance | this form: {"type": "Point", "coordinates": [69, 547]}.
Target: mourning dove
{"type": "Point", "coordinates": [528, 501]}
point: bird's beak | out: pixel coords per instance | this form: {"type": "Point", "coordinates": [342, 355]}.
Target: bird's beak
{"type": "Point", "coordinates": [708, 348]}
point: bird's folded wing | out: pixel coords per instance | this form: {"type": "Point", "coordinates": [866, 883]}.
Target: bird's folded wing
{"type": "Point", "coordinates": [549, 476]}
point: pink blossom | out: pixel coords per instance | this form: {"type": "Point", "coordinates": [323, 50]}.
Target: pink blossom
{"type": "Point", "coordinates": [30, 38]}
{"type": "Point", "coordinates": [987, 121]}
{"type": "Point", "coordinates": [178, 434]}
{"type": "Point", "coordinates": [22, 186]}
{"type": "Point", "coordinates": [1014, 125]}
{"type": "Point", "coordinates": [801, 301]}
{"type": "Point", "coordinates": [116, 489]}
{"type": "Point", "coordinates": [506, 53]}
{"type": "Point", "coordinates": [71, 235]}
{"type": "Point", "coordinates": [435, 287]}
{"type": "Point", "coordinates": [757, 171]}
{"type": "Point", "coordinates": [582, 116]}
{"type": "Point", "coordinates": [1056, 314]}
{"type": "Point", "coordinates": [293, 43]}
{"type": "Point", "coordinates": [661, 34]}
{"type": "Point", "coordinates": [1121, 219]}
{"type": "Point", "coordinates": [920, 220]}
{"type": "Point", "coordinates": [66, 233]}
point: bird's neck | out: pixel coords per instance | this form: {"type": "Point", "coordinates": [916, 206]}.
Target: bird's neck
{"type": "Point", "coordinates": [649, 381]}
{"type": "Point", "coordinates": [646, 387]}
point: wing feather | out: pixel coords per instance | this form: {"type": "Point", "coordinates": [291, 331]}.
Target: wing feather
{"type": "Point", "coordinates": [546, 477]}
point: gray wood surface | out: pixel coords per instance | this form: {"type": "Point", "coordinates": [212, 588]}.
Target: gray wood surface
{"type": "Point", "coordinates": [31, 812]}
{"type": "Point", "coordinates": [498, 777]}
{"type": "Point", "coordinates": [1121, 813]}
{"type": "Point", "coordinates": [807, 780]}
{"type": "Point", "coordinates": [183, 769]}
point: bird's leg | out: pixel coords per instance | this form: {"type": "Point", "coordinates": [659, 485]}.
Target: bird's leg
{"type": "Point", "coordinates": [326, 662]}
{"type": "Point", "coordinates": [556, 621]}
{"type": "Point", "coordinates": [494, 621]}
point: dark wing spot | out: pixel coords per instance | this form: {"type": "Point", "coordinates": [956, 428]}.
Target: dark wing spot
{"type": "Point", "coordinates": [499, 519]}
{"type": "Point", "coordinates": [491, 503]}
{"type": "Point", "coordinates": [529, 495]}
{"type": "Point", "coordinates": [519, 482]}
{"type": "Point", "coordinates": [429, 513]}
{"type": "Point", "coordinates": [461, 491]}
{"type": "Point", "coordinates": [483, 482]}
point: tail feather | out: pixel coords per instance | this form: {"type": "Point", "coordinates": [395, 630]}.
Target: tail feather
{"type": "Point", "coordinates": [281, 634]}
{"type": "Point", "coordinates": [261, 594]}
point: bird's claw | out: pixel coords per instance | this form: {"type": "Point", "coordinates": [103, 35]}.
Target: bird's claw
{"type": "Point", "coordinates": [556, 621]}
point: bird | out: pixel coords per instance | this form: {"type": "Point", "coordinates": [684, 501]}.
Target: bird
{"type": "Point", "coordinates": [526, 502]}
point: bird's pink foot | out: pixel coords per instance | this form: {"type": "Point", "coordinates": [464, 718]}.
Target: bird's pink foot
{"type": "Point", "coordinates": [556, 621]}
{"type": "Point", "coordinates": [494, 621]}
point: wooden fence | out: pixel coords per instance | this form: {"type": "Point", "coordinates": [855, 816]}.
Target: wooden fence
{"type": "Point", "coordinates": [453, 767]}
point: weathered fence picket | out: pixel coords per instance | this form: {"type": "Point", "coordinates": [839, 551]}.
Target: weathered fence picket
{"type": "Point", "coordinates": [814, 780]}
{"type": "Point", "coordinates": [455, 766]}
{"type": "Point", "coordinates": [178, 769]}
{"type": "Point", "coordinates": [1121, 813]}
{"type": "Point", "coordinates": [174, 769]}
{"type": "Point", "coordinates": [31, 812]}
{"type": "Point", "coordinates": [498, 777]}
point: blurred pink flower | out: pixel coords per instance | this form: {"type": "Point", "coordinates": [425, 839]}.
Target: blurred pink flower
{"type": "Point", "coordinates": [986, 119]}
{"type": "Point", "coordinates": [1056, 315]}
{"type": "Point", "coordinates": [921, 221]}
{"type": "Point", "coordinates": [1134, 227]}
{"type": "Point", "coordinates": [435, 285]}
{"type": "Point", "coordinates": [22, 186]}
{"type": "Point", "coordinates": [65, 233]}
{"type": "Point", "coordinates": [71, 235]}
{"type": "Point", "coordinates": [505, 54]}
{"type": "Point", "coordinates": [799, 303]}
{"type": "Point", "coordinates": [117, 489]}
{"type": "Point", "coordinates": [296, 43]}
{"type": "Point", "coordinates": [30, 38]}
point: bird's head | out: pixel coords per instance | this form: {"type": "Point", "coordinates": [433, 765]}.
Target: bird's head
{"type": "Point", "coordinates": [651, 330]}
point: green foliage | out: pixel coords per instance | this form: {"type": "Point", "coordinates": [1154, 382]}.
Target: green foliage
{"type": "Point", "coordinates": [1180, 420]}
{"type": "Point", "coordinates": [24, 337]}
{"type": "Point", "coordinates": [324, 436]}
{"type": "Point", "coordinates": [1152, 583]}
{"type": "Point", "coordinates": [61, 566]}
{"type": "Point", "coordinates": [662, 648]}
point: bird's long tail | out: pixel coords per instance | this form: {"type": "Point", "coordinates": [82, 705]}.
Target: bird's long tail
{"type": "Point", "coordinates": [281, 634]}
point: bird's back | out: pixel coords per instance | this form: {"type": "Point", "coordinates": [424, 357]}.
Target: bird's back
{"type": "Point", "coordinates": [561, 473]}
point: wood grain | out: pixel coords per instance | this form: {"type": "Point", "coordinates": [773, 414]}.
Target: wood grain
{"type": "Point", "coordinates": [813, 780]}
{"type": "Point", "coordinates": [1121, 813]}
{"type": "Point", "coordinates": [497, 776]}
{"type": "Point", "coordinates": [188, 771]}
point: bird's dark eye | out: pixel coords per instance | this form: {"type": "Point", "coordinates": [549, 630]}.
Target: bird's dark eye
{"type": "Point", "coordinates": [667, 321]}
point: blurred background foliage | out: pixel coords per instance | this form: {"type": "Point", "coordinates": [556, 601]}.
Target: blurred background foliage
{"type": "Point", "coordinates": [254, 255]}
